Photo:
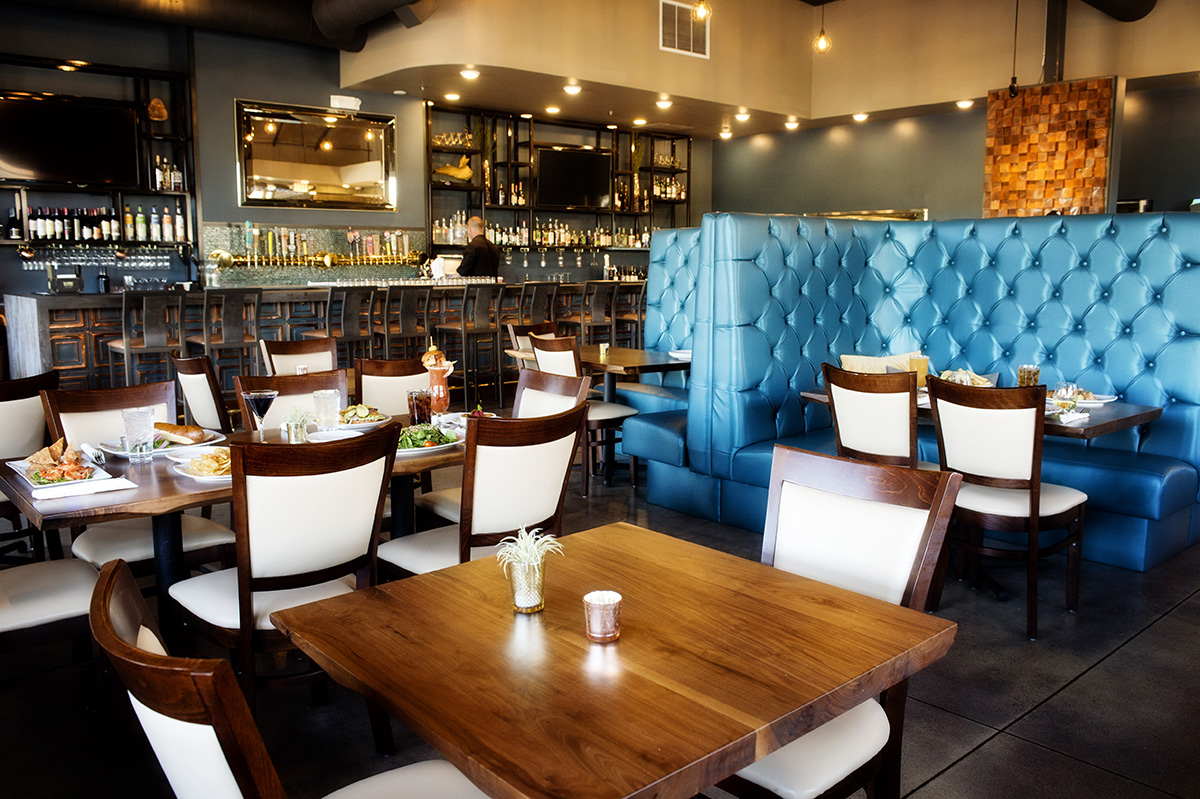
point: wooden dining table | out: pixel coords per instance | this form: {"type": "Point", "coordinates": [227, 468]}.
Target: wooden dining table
{"type": "Point", "coordinates": [720, 661]}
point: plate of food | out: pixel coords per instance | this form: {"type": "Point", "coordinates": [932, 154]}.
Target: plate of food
{"type": "Point", "coordinates": [361, 417]}
{"type": "Point", "coordinates": [424, 439]}
{"type": "Point", "coordinates": [1087, 399]}
{"type": "Point", "coordinates": [213, 466]}
{"type": "Point", "coordinates": [458, 419]}
{"type": "Point", "coordinates": [57, 464]}
{"type": "Point", "coordinates": [169, 438]}
{"type": "Point", "coordinates": [186, 454]}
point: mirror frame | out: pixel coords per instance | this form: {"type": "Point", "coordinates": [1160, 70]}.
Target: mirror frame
{"type": "Point", "coordinates": [247, 110]}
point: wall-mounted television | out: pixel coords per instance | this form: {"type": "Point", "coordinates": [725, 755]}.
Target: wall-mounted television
{"type": "Point", "coordinates": [69, 141]}
{"type": "Point", "coordinates": [569, 177]}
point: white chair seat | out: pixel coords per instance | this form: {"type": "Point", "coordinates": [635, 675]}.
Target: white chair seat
{"type": "Point", "coordinates": [818, 760]}
{"type": "Point", "coordinates": [1015, 502]}
{"type": "Point", "coordinates": [431, 778]}
{"type": "Point", "coordinates": [214, 598]}
{"type": "Point", "coordinates": [39, 593]}
{"type": "Point", "coordinates": [446, 503]}
{"type": "Point", "coordinates": [132, 540]}
{"type": "Point", "coordinates": [605, 411]}
{"type": "Point", "coordinates": [428, 551]}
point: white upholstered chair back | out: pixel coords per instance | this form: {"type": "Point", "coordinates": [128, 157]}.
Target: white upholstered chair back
{"type": "Point", "coordinates": [200, 400]}
{"type": "Point", "coordinates": [872, 422]}
{"type": "Point", "coordinates": [303, 523]}
{"type": "Point", "coordinates": [92, 427]}
{"type": "Point", "coordinates": [190, 755]}
{"type": "Point", "coordinates": [517, 486]}
{"type": "Point", "coordinates": [535, 402]}
{"type": "Point", "coordinates": [285, 364]}
{"type": "Point", "coordinates": [390, 394]}
{"type": "Point", "coordinates": [22, 427]}
{"type": "Point", "coordinates": [988, 442]}
{"type": "Point", "coordinates": [558, 363]}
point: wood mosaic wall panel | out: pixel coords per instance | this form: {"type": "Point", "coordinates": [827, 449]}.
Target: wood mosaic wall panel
{"type": "Point", "coordinates": [1049, 149]}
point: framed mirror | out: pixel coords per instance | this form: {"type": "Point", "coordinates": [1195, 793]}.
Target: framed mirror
{"type": "Point", "coordinates": [298, 157]}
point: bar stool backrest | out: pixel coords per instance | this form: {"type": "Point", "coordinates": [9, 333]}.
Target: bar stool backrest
{"type": "Point", "coordinates": [232, 315]}
{"type": "Point", "coordinates": [22, 415]}
{"type": "Point", "coordinates": [537, 301]}
{"type": "Point", "coordinates": [352, 316]}
{"type": "Point", "coordinates": [401, 308]}
{"type": "Point", "coordinates": [481, 305]}
{"type": "Point", "coordinates": [600, 295]}
{"type": "Point", "coordinates": [153, 316]}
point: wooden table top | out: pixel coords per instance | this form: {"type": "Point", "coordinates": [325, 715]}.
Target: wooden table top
{"type": "Point", "coordinates": [627, 361]}
{"type": "Point", "coordinates": [720, 661]}
{"type": "Point", "coordinates": [1102, 419]}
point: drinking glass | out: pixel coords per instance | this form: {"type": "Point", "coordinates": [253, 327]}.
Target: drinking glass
{"type": "Point", "coordinates": [1066, 395]}
{"type": "Point", "coordinates": [420, 407]}
{"type": "Point", "coordinates": [1028, 375]}
{"type": "Point", "coordinates": [920, 365]}
{"type": "Point", "coordinates": [139, 434]}
{"type": "Point", "coordinates": [259, 403]}
{"type": "Point", "coordinates": [328, 402]}
{"type": "Point", "coordinates": [602, 616]}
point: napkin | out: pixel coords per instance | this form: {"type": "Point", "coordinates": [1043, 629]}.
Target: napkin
{"type": "Point", "coordinates": [681, 355]}
{"type": "Point", "coordinates": [80, 489]}
{"type": "Point", "coordinates": [1066, 417]}
{"type": "Point", "coordinates": [94, 455]}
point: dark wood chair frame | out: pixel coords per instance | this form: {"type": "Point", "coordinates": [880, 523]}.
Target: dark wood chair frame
{"type": "Point", "coordinates": [302, 347]}
{"type": "Point", "coordinates": [969, 534]}
{"type": "Point", "coordinates": [576, 387]}
{"type": "Point", "coordinates": [286, 385]}
{"type": "Point", "coordinates": [929, 490]}
{"type": "Point", "coordinates": [893, 383]}
{"type": "Point", "coordinates": [15, 540]}
{"type": "Point", "coordinates": [151, 324]}
{"type": "Point", "coordinates": [274, 460]}
{"type": "Point", "coordinates": [203, 365]}
{"type": "Point", "coordinates": [400, 319]}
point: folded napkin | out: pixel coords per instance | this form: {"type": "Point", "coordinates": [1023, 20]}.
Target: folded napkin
{"type": "Point", "coordinates": [82, 488]}
{"type": "Point", "coordinates": [681, 355]}
{"type": "Point", "coordinates": [94, 455]}
{"type": "Point", "coordinates": [1066, 417]}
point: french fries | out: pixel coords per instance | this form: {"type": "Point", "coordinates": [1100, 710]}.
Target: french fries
{"type": "Point", "coordinates": [964, 377]}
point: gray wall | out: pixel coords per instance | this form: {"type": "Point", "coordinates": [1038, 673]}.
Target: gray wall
{"type": "Point", "coordinates": [1160, 153]}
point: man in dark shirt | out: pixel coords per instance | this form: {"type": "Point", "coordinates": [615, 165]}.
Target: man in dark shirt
{"type": "Point", "coordinates": [481, 258]}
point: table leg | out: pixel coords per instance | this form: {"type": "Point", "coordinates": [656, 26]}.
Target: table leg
{"type": "Point", "coordinates": [169, 569]}
{"type": "Point", "coordinates": [610, 452]}
{"type": "Point", "coordinates": [404, 520]}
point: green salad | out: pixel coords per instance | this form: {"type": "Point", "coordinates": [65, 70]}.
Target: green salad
{"type": "Point", "coordinates": [424, 435]}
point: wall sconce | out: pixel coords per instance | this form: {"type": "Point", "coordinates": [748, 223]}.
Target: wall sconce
{"type": "Point", "coordinates": [822, 44]}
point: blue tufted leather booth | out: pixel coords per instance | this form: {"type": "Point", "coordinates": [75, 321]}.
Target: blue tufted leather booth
{"type": "Point", "coordinates": [1112, 302]}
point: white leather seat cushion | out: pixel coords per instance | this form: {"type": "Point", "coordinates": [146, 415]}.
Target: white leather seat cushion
{"type": "Point", "coordinates": [1015, 502]}
{"type": "Point", "coordinates": [428, 551]}
{"type": "Point", "coordinates": [39, 593]}
{"type": "Point", "coordinates": [446, 503]}
{"type": "Point", "coordinates": [214, 598]}
{"type": "Point", "coordinates": [820, 759]}
{"type": "Point", "coordinates": [432, 779]}
{"type": "Point", "coordinates": [132, 540]}
{"type": "Point", "coordinates": [604, 411]}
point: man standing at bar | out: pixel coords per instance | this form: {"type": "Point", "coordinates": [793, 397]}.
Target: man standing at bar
{"type": "Point", "coordinates": [481, 258]}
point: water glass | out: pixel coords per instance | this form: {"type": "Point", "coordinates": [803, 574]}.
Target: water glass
{"type": "Point", "coordinates": [139, 433]}
{"type": "Point", "coordinates": [328, 402]}
{"type": "Point", "coordinates": [1066, 395]}
{"type": "Point", "coordinates": [602, 616]}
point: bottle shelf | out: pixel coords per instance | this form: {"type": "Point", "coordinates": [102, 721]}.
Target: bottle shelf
{"type": "Point", "coordinates": [437, 184]}
{"type": "Point", "coordinates": [457, 150]}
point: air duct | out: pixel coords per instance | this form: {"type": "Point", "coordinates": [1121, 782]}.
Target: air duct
{"type": "Point", "coordinates": [343, 20]}
{"type": "Point", "coordinates": [1123, 10]}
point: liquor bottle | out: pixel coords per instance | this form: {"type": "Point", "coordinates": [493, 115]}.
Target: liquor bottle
{"type": "Point", "coordinates": [181, 226]}
{"type": "Point", "coordinates": [102, 280]}
{"type": "Point", "coordinates": [168, 225]}
{"type": "Point", "coordinates": [155, 225]}
{"type": "Point", "coordinates": [176, 178]}
{"type": "Point", "coordinates": [129, 228]}
{"type": "Point", "coordinates": [14, 224]}
{"type": "Point", "coordinates": [139, 225]}
{"type": "Point", "coordinates": [158, 173]}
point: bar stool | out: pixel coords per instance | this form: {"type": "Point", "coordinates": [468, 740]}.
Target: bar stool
{"type": "Point", "coordinates": [595, 311]}
{"type": "Point", "coordinates": [231, 322]}
{"type": "Point", "coordinates": [151, 324]}
{"type": "Point", "coordinates": [349, 321]}
{"type": "Point", "coordinates": [630, 311]}
{"type": "Point", "coordinates": [478, 322]}
{"type": "Point", "coordinates": [537, 302]}
{"type": "Point", "coordinates": [401, 322]}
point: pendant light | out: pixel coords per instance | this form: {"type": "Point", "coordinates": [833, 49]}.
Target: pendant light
{"type": "Point", "coordinates": [822, 44]}
{"type": "Point", "coordinates": [1012, 87]}
{"type": "Point", "coordinates": [701, 11]}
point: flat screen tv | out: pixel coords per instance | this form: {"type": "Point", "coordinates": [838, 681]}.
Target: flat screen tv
{"type": "Point", "coordinates": [573, 178]}
{"type": "Point", "coordinates": [76, 142]}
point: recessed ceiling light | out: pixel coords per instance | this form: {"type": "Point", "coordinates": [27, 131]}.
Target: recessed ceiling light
{"type": "Point", "coordinates": [452, 96]}
{"type": "Point", "coordinates": [664, 103]}
{"type": "Point", "coordinates": [726, 133]}
{"type": "Point", "coordinates": [325, 145]}
{"type": "Point", "coordinates": [639, 122]}
{"type": "Point", "coordinates": [860, 117]}
{"type": "Point", "coordinates": [553, 109]}
{"type": "Point", "coordinates": [331, 120]}
{"type": "Point", "coordinates": [572, 89]}
{"type": "Point", "coordinates": [399, 91]}
{"type": "Point", "coordinates": [741, 116]}
{"type": "Point", "coordinates": [269, 127]}
{"type": "Point", "coordinates": [469, 74]}
{"type": "Point", "coordinates": [791, 124]}
{"type": "Point", "coordinates": [612, 127]}
{"type": "Point", "coordinates": [66, 67]}
{"type": "Point", "coordinates": [965, 103]}
{"type": "Point", "coordinates": [345, 185]}
{"type": "Point", "coordinates": [526, 116]}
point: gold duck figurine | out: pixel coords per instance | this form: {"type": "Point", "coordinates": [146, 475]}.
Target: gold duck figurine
{"type": "Point", "coordinates": [461, 172]}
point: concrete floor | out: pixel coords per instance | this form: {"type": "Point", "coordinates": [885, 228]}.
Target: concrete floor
{"type": "Point", "coordinates": [1101, 706]}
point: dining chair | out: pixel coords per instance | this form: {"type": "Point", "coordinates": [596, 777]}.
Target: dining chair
{"type": "Point", "coordinates": [282, 357]}
{"type": "Point", "coordinates": [231, 322]}
{"type": "Point", "coordinates": [604, 419]}
{"type": "Point", "coordinates": [202, 395]}
{"type": "Point", "coordinates": [151, 324]}
{"type": "Point", "coordinates": [519, 335]}
{"type": "Point", "coordinates": [384, 384]}
{"type": "Point", "coordinates": [515, 475]}
{"type": "Point", "coordinates": [478, 323]}
{"type": "Point", "coordinates": [993, 437]}
{"type": "Point", "coordinates": [201, 727]}
{"type": "Point", "coordinates": [349, 316]}
{"type": "Point", "coordinates": [874, 416]}
{"type": "Point", "coordinates": [538, 394]}
{"type": "Point", "coordinates": [869, 528]}
{"type": "Point", "coordinates": [92, 416]}
{"type": "Point", "coordinates": [400, 322]}
{"type": "Point", "coordinates": [595, 312]}
{"type": "Point", "coordinates": [295, 391]}
{"type": "Point", "coordinates": [41, 603]}
{"type": "Point", "coordinates": [307, 519]}
{"type": "Point", "coordinates": [22, 433]}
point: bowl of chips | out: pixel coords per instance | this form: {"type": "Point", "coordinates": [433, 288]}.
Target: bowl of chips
{"type": "Point", "coordinates": [211, 465]}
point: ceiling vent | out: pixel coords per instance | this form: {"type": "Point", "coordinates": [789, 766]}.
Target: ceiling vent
{"type": "Point", "coordinates": [679, 33]}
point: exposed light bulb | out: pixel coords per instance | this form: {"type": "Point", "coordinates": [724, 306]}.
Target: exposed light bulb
{"type": "Point", "coordinates": [526, 116]}
{"type": "Point", "coordinates": [701, 11]}
{"type": "Point", "coordinates": [270, 127]}
{"type": "Point", "coordinates": [326, 145]}
{"type": "Point", "coordinates": [331, 120]}
{"type": "Point", "coordinates": [822, 44]}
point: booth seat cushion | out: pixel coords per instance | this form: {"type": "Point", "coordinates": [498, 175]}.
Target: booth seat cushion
{"type": "Point", "coordinates": [1133, 483]}
{"type": "Point", "coordinates": [752, 464]}
{"type": "Point", "coordinates": [660, 437]}
{"type": "Point", "coordinates": [651, 398]}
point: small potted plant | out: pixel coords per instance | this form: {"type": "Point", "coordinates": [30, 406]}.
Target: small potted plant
{"type": "Point", "coordinates": [523, 557]}
{"type": "Point", "coordinates": [297, 421]}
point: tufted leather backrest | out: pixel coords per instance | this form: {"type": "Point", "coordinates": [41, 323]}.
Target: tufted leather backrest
{"type": "Point", "coordinates": [671, 297]}
{"type": "Point", "coordinates": [1106, 301]}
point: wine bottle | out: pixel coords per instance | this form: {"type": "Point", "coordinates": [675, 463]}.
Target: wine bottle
{"type": "Point", "coordinates": [158, 173]}
{"type": "Point", "coordinates": [57, 221]}
{"type": "Point", "coordinates": [129, 228]}
{"type": "Point", "coordinates": [14, 224]}
{"type": "Point", "coordinates": [139, 225]}
{"type": "Point", "coordinates": [181, 225]}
